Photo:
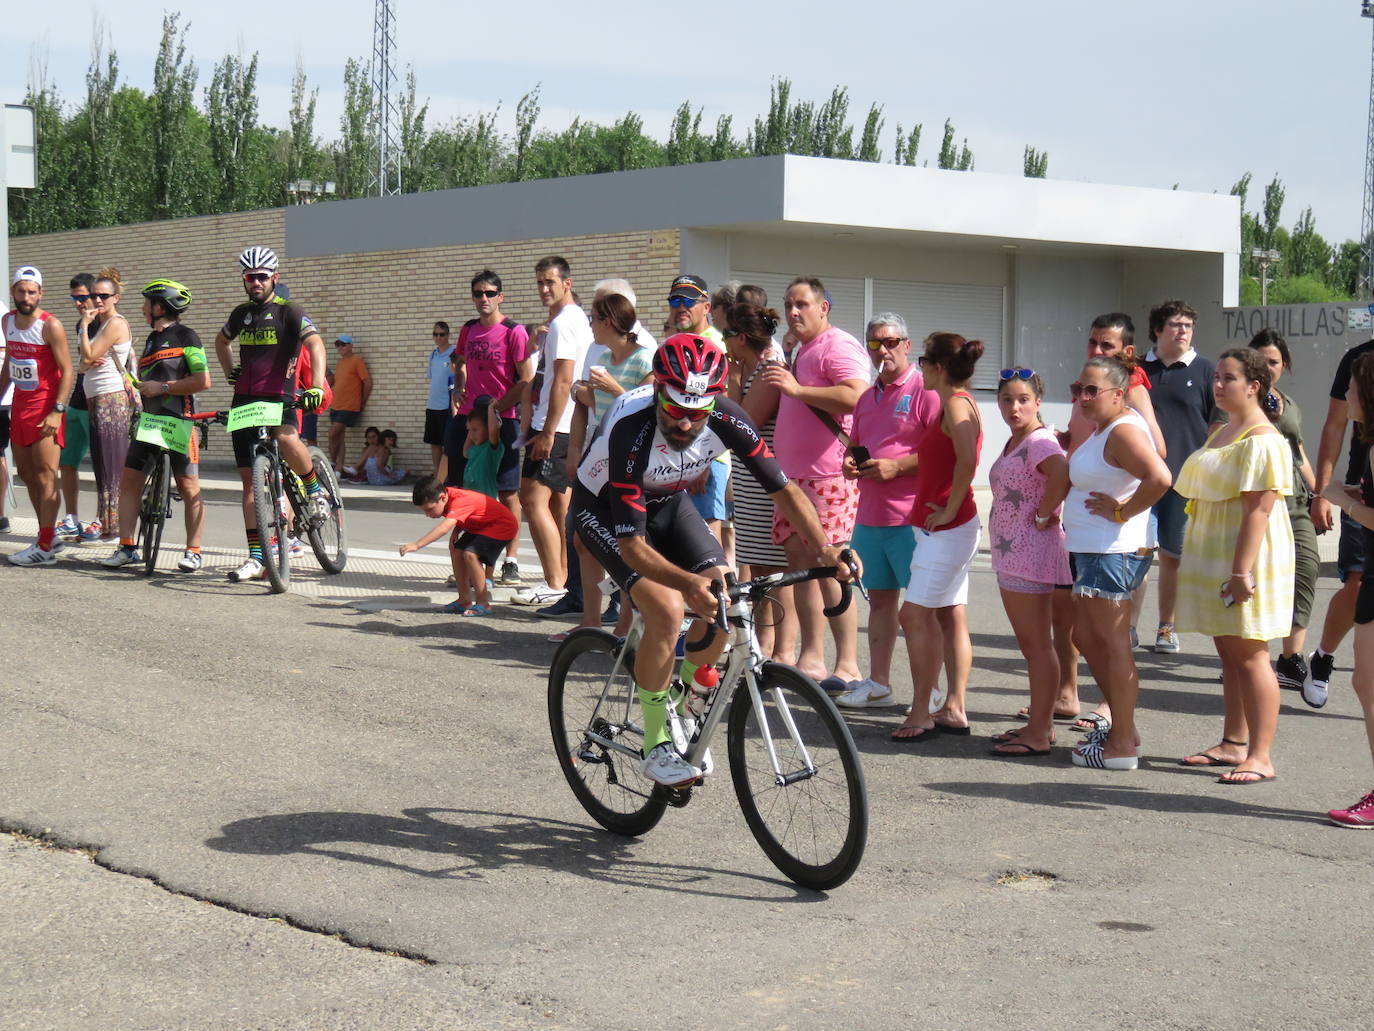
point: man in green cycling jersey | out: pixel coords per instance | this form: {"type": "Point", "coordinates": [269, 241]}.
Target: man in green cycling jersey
{"type": "Point", "coordinates": [171, 371]}
{"type": "Point", "coordinates": [270, 333]}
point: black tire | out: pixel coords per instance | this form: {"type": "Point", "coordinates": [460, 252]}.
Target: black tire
{"type": "Point", "coordinates": [814, 829]}
{"type": "Point", "coordinates": [152, 513]}
{"type": "Point", "coordinates": [582, 694]}
{"type": "Point", "coordinates": [273, 527]}
{"type": "Point", "coordinates": [329, 540]}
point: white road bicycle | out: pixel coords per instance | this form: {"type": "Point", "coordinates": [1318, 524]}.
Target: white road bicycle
{"type": "Point", "coordinates": [794, 767]}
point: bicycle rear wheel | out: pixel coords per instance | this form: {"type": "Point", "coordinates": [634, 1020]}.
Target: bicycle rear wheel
{"type": "Point", "coordinates": [814, 826]}
{"type": "Point", "coordinates": [598, 733]}
{"type": "Point", "coordinates": [328, 539]}
{"type": "Point", "coordinates": [272, 525]}
{"type": "Point", "coordinates": [152, 513]}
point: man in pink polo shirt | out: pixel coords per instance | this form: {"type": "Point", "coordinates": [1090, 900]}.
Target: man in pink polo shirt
{"type": "Point", "coordinates": [889, 421]}
{"type": "Point", "coordinates": [829, 372]}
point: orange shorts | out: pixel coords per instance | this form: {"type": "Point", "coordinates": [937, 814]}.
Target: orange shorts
{"type": "Point", "coordinates": [837, 503]}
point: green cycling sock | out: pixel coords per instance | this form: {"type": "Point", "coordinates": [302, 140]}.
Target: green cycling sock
{"type": "Point", "coordinates": [654, 707]}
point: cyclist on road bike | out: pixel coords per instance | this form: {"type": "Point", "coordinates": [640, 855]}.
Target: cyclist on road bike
{"type": "Point", "coordinates": [271, 333]}
{"type": "Point", "coordinates": [171, 371]}
{"type": "Point", "coordinates": [631, 508]}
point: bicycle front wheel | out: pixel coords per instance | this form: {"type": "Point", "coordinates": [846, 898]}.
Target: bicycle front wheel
{"type": "Point", "coordinates": [810, 814]}
{"type": "Point", "coordinates": [272, 525]}
{"type": "Point", "coordinates": [328, 539]}
{"type": "Point", "coordinates": [598, 732]}
{"type": "Point", "coordinates": [152, 513]}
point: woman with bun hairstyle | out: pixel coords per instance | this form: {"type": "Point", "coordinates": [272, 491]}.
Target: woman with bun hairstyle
{"type": "Point", "coordinates": [1235, 583]}
{"type": "Point", "coordinates": [106, 346]}
{"type": "Point", "coordinates": [947, 528]}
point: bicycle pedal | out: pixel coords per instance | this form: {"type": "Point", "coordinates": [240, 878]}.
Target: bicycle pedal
{"type": "Point", "coordinates": [677, 797]}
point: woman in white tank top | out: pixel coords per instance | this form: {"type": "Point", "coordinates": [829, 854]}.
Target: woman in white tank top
{"type": "Point", "coordinates": [1115, 476]}
{"type": "Point", "coordinates": [109, 401]}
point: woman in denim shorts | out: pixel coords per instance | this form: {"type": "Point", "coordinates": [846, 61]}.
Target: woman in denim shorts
{"type": "Point", "coordinates": [1115, 476]}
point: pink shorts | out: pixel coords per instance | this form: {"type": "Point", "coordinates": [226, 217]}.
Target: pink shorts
{"type": "Point", "coordinates": [837, 503]}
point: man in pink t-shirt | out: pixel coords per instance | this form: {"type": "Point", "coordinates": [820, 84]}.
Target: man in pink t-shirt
{"type": "Point", "coordinates": [889, 421]}
{"type": "Point", "coordinates": [829, 372]}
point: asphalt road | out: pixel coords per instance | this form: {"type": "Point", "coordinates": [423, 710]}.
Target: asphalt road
{"type": "Point", "coordinates": [338, 808]}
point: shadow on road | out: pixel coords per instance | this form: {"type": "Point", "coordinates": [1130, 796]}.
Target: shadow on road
{"type": "Point", "coordinates": [477, 842]}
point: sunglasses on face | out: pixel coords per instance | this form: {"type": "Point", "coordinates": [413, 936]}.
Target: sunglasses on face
{"type": "Point", "coordinates": [101, 297]}
{"type": "Point", "coordinates": [256, 277]}
{"type": "Point", "coordinates": [486, 293]}
{"type": "Point", "coordinates": [80, 298]}
{"type": "Point", "coordinates": [1088, 390]}
{"type": "Point", "coordinates": [440, 333]}
{"type": "Point", "coordinates": [683, 302]}
{"type": "Point", "coordinates": [925, 361]}
{"type": "Point", "coordinates": [1017, 373]}
{"type": "Point", "coordinates": [878, 345]}
{"type": "Point", "coordinates": [677, 413]}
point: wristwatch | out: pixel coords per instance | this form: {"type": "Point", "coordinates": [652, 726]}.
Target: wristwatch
{"type": "Point", "coordinates": [59, 408]}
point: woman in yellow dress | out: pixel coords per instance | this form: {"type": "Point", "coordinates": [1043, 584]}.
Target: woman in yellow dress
{"type": "Point", "coordinates": [1236, 578]}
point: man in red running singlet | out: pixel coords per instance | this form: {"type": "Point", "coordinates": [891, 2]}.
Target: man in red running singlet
{"type": "Point", "coordinates": [39, 366]}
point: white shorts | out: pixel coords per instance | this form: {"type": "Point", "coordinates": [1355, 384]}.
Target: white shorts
{"type": "Point", "coordinates": [940, 566]}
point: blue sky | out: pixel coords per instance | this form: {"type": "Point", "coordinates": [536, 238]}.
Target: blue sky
{"type": "Point", "coordinates": [1194, 93]}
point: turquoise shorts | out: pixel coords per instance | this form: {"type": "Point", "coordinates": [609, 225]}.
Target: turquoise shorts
{"type": "Point", "coordinates": [886, 554]}
{"type": "Point", "coordinates": [78, 438]}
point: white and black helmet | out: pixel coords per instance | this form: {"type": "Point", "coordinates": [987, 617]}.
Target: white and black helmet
{"type": "Point", "coordinates": [255, 258]}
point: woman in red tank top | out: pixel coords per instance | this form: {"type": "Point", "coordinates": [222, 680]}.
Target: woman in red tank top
{"type": "Point", "coordinates": [947, 528]}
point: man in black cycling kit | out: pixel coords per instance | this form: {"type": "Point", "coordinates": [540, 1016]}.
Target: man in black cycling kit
{"type": "Point", "coordinates": [270, 334]}
{"type": "Point", "coordinates": [631, 509]}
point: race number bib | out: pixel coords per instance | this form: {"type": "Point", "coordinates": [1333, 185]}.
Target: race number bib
{"type": "Point", "coordinates": [253, 414]}
{"type": "Point", "coordinates": [164, 431]}
{"type": "Point", "coordinates": [24, 373]}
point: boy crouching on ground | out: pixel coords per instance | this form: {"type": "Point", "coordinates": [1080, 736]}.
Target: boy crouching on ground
{"type": "Point", "coordinates": [481, 526]}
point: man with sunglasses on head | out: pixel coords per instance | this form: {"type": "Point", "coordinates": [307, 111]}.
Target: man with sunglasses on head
{"type": "Point", "coordinates": [492, 358]}
{"type": "Point", "coordinates": [632, 511]}
{"type": "Point", "coordinates": [270, 333]}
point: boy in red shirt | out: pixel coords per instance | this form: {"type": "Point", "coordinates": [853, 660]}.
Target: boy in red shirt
{"type": "Point", "coordinates": [482, 527]}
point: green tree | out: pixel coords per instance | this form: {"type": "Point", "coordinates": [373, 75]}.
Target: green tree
{"type": "Point", "coordinates": [526, 115]}
{"type": "Point", "coordinates": [873, 128]}
{"type": "Point", "coordinates": [1273, 210]}
{"type": "Point", "coordinates": [303, 158]}
{"type": "Point", "coordinates": [412, 141]}
{"type": "Point", "coordinates": [907, 144]}
{"type": "Point", "coordinates": [354, 154]}
{"type": "Point", "coordinates": [1035, 163]}
{"type": "Point", "coordinates": [1250, 232]}
{"type": "Point", "coordinates": [1343, 274]}
{"type": "Point", "coordinates": [1308, 254]}
{"type": "Point", "coordinates": [174, 112]}
{"type": "Point", "coordinates": [231, 106]}
{"type": "Point", "coordinates": [960, 159]}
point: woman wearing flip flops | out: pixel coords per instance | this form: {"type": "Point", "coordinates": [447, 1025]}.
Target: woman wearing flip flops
{"type": "Point", "coordinates": [1359, 505]}
{"type": "Point", "coordinates": [1029, 481]}
{"type": "Point", "coordinates": [1236, 578]}
{"type": "Point", "coordinates": [1115, 476]}
{"type": "Point", "coordinates": [947, 528]}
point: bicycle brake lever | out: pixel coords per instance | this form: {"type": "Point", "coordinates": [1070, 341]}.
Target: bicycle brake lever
{"type": "Point", "coordinates": [847, 557]}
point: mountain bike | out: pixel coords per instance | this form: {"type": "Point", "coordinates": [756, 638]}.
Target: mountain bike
{"type": "Point", "coordinates": [166, 434]}
{"type": "Point", "coordinates": [794, 767]}
{"type": "Point", "coordinates": [271, 477]}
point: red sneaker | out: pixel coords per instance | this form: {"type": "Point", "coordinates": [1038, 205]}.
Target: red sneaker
{"type": "Point", "coordinates": [1359, 816]}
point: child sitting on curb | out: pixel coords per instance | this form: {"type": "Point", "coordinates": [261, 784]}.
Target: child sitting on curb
{"type": "Point", "coordinates": [481, 528]}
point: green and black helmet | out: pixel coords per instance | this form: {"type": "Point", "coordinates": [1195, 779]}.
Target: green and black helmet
{"type": "Point", "coordinates": [176, 297]}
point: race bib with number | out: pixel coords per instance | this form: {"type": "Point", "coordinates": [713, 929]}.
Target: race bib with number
{"type": "Point", "coordinates": [165, 431]}
{"type": "Point", "coordinates": [255, 413]}
{"type": "Point", "coordinates": [24, 373]}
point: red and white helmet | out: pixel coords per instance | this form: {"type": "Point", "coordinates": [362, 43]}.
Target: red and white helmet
{"type": "Point", "coordinates": [691, 370]}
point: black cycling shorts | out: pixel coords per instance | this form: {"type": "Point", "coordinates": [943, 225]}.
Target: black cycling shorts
{"type": "Point", "coordinates": [245, 440]}
{"type": "Point", "coordinates": [675, 530]}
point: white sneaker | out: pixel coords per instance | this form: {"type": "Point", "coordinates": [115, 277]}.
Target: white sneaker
{"type": "Point", "coordinates": [122, 557]}
{"type": "Point", "coordinates": [865, 693]}
{"type": "Point", "coordinates": [683, 729]}
{"type": "Point", "coordinates": [190, 562]}
{"type": "Point", "coordinates": [664, 766]}
{"type": "Point", "coordinates": [250, 570]}
{"type": "Point", "coordinates": [540, 595]}
{"type": "Point", "coordinates": [33, 555]}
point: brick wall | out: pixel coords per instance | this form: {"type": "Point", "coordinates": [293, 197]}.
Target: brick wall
{"type": "Point", "coordinates": [388, 301]}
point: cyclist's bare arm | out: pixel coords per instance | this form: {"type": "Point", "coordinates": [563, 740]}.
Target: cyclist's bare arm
{"type": "Point", "coordinates": [640, 556]}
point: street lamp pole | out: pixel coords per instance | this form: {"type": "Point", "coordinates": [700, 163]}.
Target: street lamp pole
{"type": "Point", "coordinates": [1264, 258]}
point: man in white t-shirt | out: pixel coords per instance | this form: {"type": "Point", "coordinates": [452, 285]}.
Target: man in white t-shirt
{"type": "Point", "coordinates": [544, 474]}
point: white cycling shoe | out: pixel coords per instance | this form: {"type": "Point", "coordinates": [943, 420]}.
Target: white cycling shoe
{"type": "Point", "coordinates": [664, 766]}
{"type": "Point", "coordinates": [683, 728]}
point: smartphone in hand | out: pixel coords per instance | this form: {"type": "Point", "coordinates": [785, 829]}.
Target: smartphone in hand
{"type": "Point", "coordinates": [860, 455]}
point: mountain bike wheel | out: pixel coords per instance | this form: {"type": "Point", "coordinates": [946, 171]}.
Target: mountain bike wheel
{"type": "Point", "coordinates": [152, 512]}
{"type": "Point", "coordinates": [813, 827]}
{"type": "Point", "coordinates": [585, 699]}
{"type": "Point", "coordinates": [273, 527]}
{"type": "Point", "coordinates": [329, 539]}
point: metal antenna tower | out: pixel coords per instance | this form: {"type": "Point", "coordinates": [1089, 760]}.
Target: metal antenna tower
{"type": "Point", "coordinates": [1366, 286]}
{"type": "Point", "coordinates": [386, 119]}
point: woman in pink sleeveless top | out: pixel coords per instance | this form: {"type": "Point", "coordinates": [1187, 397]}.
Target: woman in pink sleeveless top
{"type": "Point", "coordinates": [947, 527]}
